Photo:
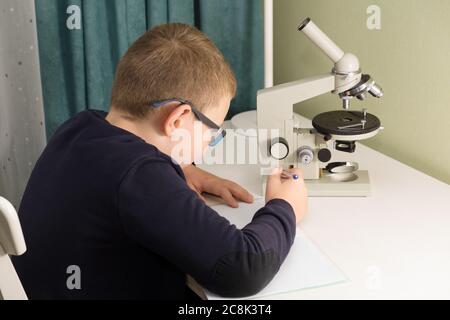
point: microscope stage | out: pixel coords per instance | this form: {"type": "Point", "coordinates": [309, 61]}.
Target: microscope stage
{"type": "Point", "coordinates": [346, 124]}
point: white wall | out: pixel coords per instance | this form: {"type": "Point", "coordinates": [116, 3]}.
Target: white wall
{"type": "Point", "coordinates": [22, 125]}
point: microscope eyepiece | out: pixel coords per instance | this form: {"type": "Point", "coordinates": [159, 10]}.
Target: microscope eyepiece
{"type": "Point", "coordinates": [304, 24]}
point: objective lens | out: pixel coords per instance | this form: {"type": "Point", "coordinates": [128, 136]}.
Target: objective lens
{"type": "Point", "coordinates": [361, 97]}
{"type": "Point", "coordinates": [376, 91]}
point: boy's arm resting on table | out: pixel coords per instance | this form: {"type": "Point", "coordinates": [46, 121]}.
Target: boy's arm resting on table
{"type": "Point", "coordinates": [160, 212]}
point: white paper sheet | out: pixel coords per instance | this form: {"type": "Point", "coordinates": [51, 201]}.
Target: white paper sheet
{"type": "Point", "coordinates": [305, 266]}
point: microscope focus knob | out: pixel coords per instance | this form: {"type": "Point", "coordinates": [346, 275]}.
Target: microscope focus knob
{"type": "Point", "coordinates": [324, 155]}
{"type": "Point", "coordinates": [279, 148]}
{"type": "Point", "coordinates": [305, 155]}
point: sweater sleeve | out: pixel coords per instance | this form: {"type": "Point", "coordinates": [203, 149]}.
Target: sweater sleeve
{"type": "Point", "coordinates": [160, 212]}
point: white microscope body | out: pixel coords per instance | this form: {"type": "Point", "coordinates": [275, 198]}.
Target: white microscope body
{"type": "Point", "coordinates": [282, 144]}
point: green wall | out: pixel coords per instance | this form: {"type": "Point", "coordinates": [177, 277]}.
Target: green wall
{"type": "Point", "coordinates": [409, 57]}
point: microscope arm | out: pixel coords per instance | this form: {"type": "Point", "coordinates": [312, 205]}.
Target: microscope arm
{"type": "Point", "coordinates": [299, 91]}
{"type": "Point", "coordinates": [275, 105]}
{"type": "Point", "coordinates": [275, 110]}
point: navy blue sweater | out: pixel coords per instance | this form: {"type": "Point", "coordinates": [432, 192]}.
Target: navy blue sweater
{"type": "Point", "coordinates": [107, 202]}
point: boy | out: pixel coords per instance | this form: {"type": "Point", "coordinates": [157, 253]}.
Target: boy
{"type": "Point", "coordinates": [111, 212]}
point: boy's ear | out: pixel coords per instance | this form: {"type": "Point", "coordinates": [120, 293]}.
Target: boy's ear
{"type": "Point", "coordinates": [176, 119]}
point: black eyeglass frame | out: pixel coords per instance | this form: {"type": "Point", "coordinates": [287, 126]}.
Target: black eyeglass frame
{"type": "Point", "coordinates": [221, 132]}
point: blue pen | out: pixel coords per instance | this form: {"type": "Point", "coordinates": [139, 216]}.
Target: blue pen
{"type": "Point", "coordinates": [287, 175]}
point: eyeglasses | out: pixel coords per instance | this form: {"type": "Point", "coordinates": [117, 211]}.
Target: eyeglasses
{"type": "Point", "coordinates": [219, 132]}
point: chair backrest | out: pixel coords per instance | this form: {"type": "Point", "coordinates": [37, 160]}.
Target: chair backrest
{"type": "Point", "coordinates": [12, 243]}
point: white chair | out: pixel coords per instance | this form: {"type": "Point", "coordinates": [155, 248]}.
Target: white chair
{"type": "Point", "coordinates": [12, 243]}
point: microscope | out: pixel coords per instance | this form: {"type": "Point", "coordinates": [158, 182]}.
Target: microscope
{"type": "Point", "coordinates": [283, 143]}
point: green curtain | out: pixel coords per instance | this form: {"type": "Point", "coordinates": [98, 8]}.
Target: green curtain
{"type": "Point", "coordinates": [78, 65]}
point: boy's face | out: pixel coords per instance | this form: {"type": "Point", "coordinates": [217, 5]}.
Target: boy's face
{"type": "Point", "coordinates": [194, 136]}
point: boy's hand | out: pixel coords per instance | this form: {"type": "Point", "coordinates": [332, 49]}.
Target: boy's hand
{"type": "Point", "coordinates": [292, 191]}
{"type": "Point", "coordinates": [203, 182]}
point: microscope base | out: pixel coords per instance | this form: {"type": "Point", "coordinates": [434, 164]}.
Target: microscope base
{"type": "Point", "coordinates": [329, 186]}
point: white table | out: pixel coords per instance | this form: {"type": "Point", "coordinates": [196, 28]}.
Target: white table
{"type": "Point", "coordinates": [392, 245]}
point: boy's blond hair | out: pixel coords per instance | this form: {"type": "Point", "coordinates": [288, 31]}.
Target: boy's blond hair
{"type": "Point", "coordinates": [171, 61]}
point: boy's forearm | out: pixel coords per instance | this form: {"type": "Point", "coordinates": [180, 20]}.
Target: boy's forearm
{"type": "Point", "coordinates": [268, 240]}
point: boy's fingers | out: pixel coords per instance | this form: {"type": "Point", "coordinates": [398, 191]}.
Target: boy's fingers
{"type": "Point", "coordinates": [275, 177]}
{"type": "Point", "coordinates": [298, 172]}
{"type": "Point", "coordinates": [229, 199]}
{"type": "Point", "coordinates": [275, 174]}
{"type": "Point", "coordinates": [240, 193]}
{"type": "Point", "coordinates": [276, 171]}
